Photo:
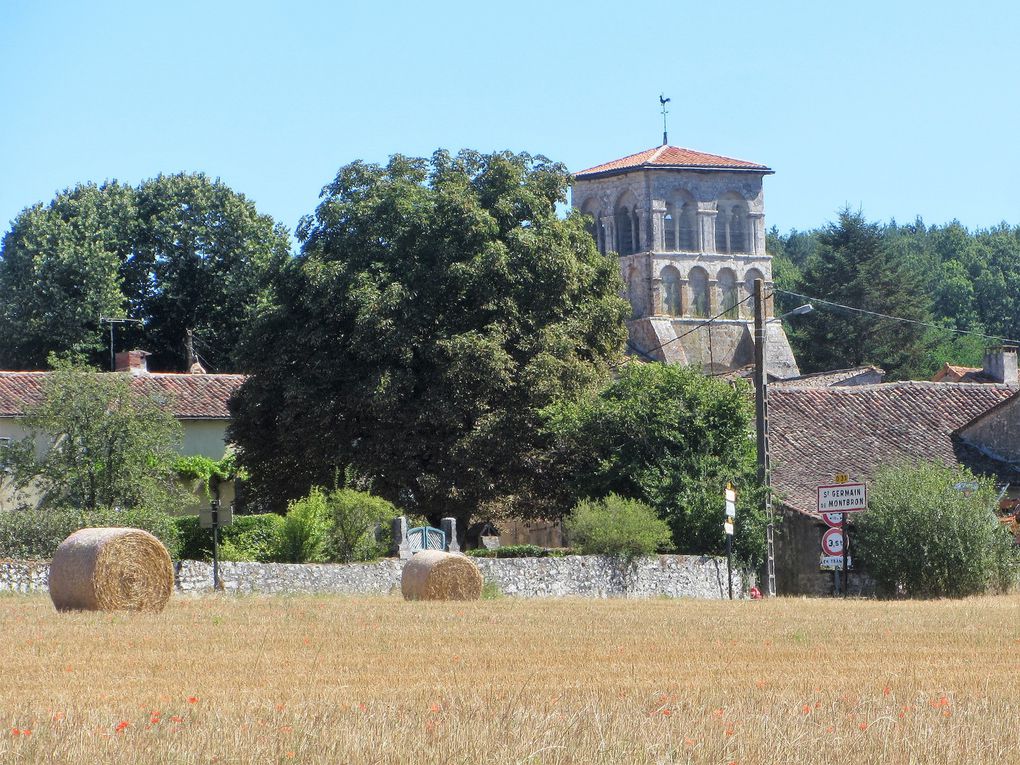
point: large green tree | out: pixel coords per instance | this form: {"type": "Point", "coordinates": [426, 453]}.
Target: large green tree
{"type": "Point", "coordinates": [673, 438]}
{"type": "Point", "coordinates": [436, 307]}
{"type": "Point", "coordinates": [60, 271]}
{"type": "Point", "coordinates": [179, 252]}
{"type": "Point", "coordinates": [854, 266]}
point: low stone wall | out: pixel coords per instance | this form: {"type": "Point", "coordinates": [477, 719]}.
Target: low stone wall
{"type": "Point", "coordinates": [678, 576]}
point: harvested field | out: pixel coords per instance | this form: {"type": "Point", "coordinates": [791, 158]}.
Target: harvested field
{"type": "Point", "coordinates": [380, 680]}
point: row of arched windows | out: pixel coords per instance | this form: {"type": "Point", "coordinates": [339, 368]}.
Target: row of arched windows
{"type": "Point", "coordinates": [696, 300]}
{"type": "Point", "coordinates": [679, 225]}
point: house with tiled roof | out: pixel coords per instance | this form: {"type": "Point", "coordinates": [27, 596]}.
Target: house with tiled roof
{"type": "Point", "coordinates": [818, 432]}
{"type": "Point", "coordinates": [198, 401]}
{"type": "Point", "coordinates": [688, 230]}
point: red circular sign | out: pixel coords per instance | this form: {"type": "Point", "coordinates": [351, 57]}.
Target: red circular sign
{"type": "Point", "coordinates": [834, 520]}
{"type": "Point", "coordinates": [832, 542]}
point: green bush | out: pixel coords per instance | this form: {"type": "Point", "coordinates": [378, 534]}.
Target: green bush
{"type": "Point", "coordinates": [37, 532]}
{"type": "Point", "coordinates": [303, 535]}
{"type": "Point", "coordinates": [924, 537]}
{"type": "Point", "coordinates": [248, 538]}
{"type": "Point", "coordinates": [359, 525]}
{"type": "Point", "coordinates": [624, 528]}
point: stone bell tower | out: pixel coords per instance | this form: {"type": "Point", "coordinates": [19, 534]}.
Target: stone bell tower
{"type": "Point", "coordinates": [689, 231]}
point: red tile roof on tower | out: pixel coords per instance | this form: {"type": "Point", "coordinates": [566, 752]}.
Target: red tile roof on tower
{"type": "Point", "coordinates": [815, 433]}
{"type": "Point", "coordinates": [672, 157]}
{"type": "Point", "coordinates": [190, 397]}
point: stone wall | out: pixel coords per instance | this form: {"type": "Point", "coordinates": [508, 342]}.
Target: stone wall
{"type": "Point", "coordinates": [574, 575]}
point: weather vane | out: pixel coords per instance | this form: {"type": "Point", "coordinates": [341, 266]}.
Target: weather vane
{"type": "Point", "coordinates": [663, 102]}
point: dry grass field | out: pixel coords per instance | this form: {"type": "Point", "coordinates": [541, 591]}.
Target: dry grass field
{"type": "Point", "coordinates": [347, 680]}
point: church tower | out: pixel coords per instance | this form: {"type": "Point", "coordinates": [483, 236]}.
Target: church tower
{"type": "Point", "coordinates": [689, 231]}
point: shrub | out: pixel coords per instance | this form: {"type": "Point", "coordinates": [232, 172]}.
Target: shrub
{"type": "Point", "coordinates": [303, 535]}
{"type": "Point", "coordinates": [37, 532]}
{"type": "Point", "coordinates": [248, 538]}
{"type": "Point", "coordinates": [358, 525]}
{"type": "Point", "coordinates": [923, 536]}
{"type": "Point", "coordinates": [624, 528]}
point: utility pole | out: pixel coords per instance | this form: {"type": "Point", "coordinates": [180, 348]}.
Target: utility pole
{"type": "Point", "coordinates": [761, 422]}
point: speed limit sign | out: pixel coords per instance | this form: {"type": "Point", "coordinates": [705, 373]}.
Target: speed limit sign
{"type": "Point", "coordinates": [832, 542]}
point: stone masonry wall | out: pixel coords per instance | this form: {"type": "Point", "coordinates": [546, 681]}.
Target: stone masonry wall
{"type": "Point", "coordinates": [574, 575]}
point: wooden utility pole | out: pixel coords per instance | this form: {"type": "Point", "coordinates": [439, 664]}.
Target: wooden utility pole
{"type": "Point", "coordinates": [761, 422]}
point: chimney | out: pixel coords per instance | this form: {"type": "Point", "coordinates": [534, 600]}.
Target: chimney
{"type": "Point", "coordinates": [1001, 365]}
{"type": "Point", "coordinates": [131, 361]}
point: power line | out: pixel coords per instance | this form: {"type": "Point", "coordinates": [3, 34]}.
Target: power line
{"type": "Point", "coordinates": [896, 318]}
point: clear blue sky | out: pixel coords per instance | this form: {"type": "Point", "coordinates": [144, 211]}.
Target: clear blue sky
{"type": "Point", "coordinates": [898, 108]}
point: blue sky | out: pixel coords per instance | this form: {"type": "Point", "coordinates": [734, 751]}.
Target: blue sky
{"type": "Point", "coordinates": [899, 109]}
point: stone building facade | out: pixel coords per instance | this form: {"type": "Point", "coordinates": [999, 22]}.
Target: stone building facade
{"type": "Point", "coordinates": [689, 231]}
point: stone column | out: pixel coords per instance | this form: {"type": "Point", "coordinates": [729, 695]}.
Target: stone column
{"type": "Point", "coordinates": [658, 242]}
{"type": "Point", "coordinates": [756, 233]}
{"type": "Point", "coordinates": [713, 298]}
{"type": "Point", "coordinates": [450, 529]}
{"type": "Point", "coordinates": [400, 547]}
{"type": "Point", "coordinates": [608, 234]}
{"type": "Point", "coordinates": [656, 296]}
{"type": "Point", "coordinates": [636, 219]}
{"type": "Point", "coordinates": [706, 230]}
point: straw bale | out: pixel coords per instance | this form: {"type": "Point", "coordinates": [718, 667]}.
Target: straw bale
{"type": "Point", "coordinates": [435, 575]}
{"type": "Point", "coordinates": [109, 569]}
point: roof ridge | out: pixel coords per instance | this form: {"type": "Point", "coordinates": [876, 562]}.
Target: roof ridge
{"type": "Point", "coordinates": [658, 152]}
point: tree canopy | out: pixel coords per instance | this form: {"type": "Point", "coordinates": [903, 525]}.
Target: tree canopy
{"type": "Point", "coordinates": [179, 252]}
{"type": "Point", "coordinates": [673, 438]}
{"type": "Point", "coordinates": [957, 279]}
{"type": "Point", "coordinates": [436, 307]}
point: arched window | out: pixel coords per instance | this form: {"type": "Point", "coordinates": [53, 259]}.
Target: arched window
{"type": "Point", "coordinates": [748, 308]}
{"type": "Point", "coordinates": [634, 292]}
{"type": "Point", "coordinates": [689, 227]}
{"type": "Point", "coordinates": [671, 302]}
{"type": "Point", "coordinates": [625, 218]}
{"type": "Point", "coordinates": [699, 302]}
{"type": "Point", "coordinates": [727, 284]}
{"type": "Point", "coordinates": [731, 225]}
{"type": "Point", "coordinates": [669, 228]}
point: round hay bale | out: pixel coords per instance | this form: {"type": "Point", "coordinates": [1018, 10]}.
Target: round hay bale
{"type": "Point", "coordinates": [109, 570]}
{"type": "Point", "coordinates": [435, 575]}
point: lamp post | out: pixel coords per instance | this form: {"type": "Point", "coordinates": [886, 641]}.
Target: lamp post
{"type": "Point", "coordinates": [761, 421]}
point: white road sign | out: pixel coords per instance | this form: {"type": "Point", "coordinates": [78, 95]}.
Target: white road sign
{"type": "Point", "coordinates": [832, 542]}
{"type": "Point", "coordinates": [834, 562]}
{"type": "Point", "coordinates": [843, 498]}
{"type": "Point", "coordinates": [833, 520]}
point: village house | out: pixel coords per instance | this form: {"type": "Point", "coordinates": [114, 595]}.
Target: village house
{"type": "Point", "coordinates": [198, 401]}
{"type": "Point", "coordinates": [818, 432]}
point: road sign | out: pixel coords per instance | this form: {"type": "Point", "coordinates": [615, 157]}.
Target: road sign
{"type": "Point", "coordinates": [843, 497]}
{"type": "Point", "coordinates": [832, 542]}
{"type": "Point", "coordinates": [834, 562]}
{"type": "Point", "coordinates": [728, 527]}
{"type": "Point", "coordinates": [731, 501]}
{"type": "Point", "coordinates": [833, 520]}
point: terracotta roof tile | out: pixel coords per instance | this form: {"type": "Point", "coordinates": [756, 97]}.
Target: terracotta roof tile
{"type": "Point", "coordinates": [674, 157]}
{"type": "Point", "coordinates": [191, 396]}
{"type": "Point", "coordinates": [818, 432]}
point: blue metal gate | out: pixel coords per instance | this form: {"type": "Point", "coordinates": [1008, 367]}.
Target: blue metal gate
{"type": "Point", "coordinates": [426, 538]}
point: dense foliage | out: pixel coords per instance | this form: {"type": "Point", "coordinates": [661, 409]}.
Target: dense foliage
{"type": "Point", "coordinates": [931, 531]}
{"type": "Point", "coordinates": [436, 307]}
{"type": "Point", "coordinates": [958, 279]}
{"type": "Point", "coordinates": [179, 252]}
{"type": "Point", "coordinates": [671, 437]}
{"type": "Point", "coordinates": [623, 528]}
